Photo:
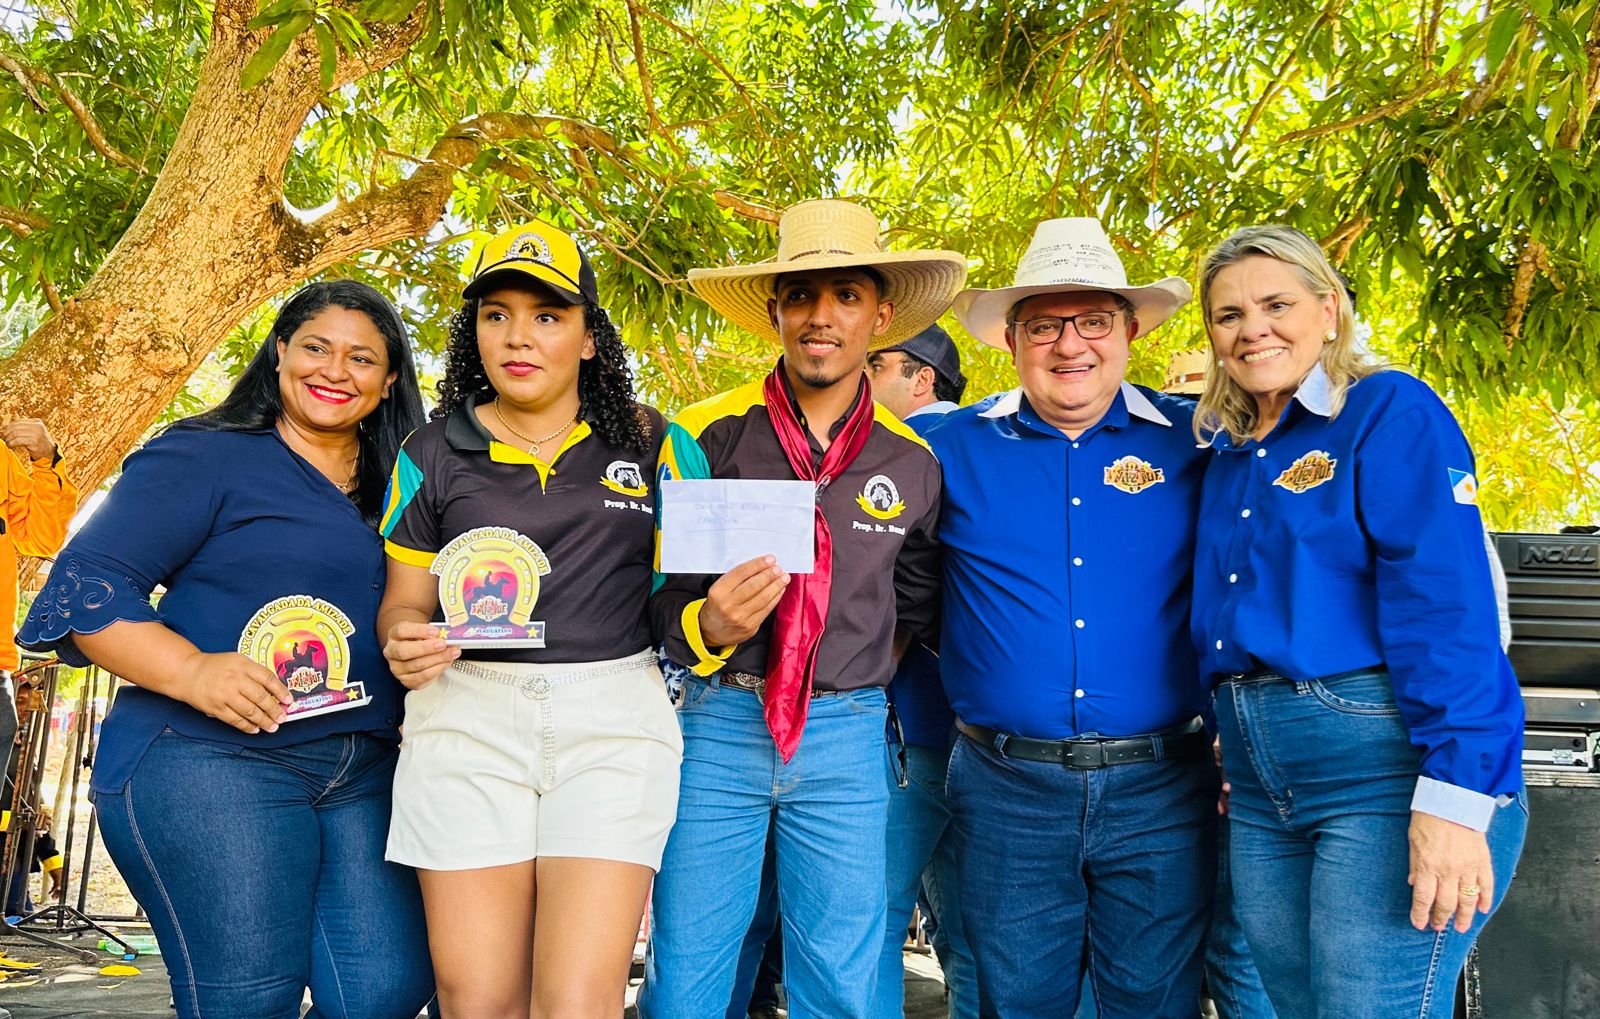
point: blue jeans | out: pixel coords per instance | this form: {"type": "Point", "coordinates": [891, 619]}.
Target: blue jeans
{"type": "Point", "coordinates": [262, 872]}
{"type": "Point", "coordinates": [1109, 870]}
{"type": "Point", "coordinates": [921, 852]}
{"type": "Point", "coordinates": [827, 808]}
{"type": "Point", "coordinates": [1231, 976]}
{"type": "Point", "coordinates": [1323, 772]}
{"type": "Point", "coordinates": [760, 968]}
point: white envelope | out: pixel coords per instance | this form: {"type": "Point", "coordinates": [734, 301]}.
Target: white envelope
{"type": "Point", "coordinates": [712, 525]}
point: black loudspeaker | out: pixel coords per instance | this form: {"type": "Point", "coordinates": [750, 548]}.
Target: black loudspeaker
{"type": "Point", "coordinates": [1539, 957]}
{"type": "Point", "coordinates": [1554, 585]}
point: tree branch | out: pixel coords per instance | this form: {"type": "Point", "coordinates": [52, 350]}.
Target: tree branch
{"type": "Point", "coordinates": [1328, 14]}
{"type": "Point", "coordinates": [1400, 105]}
{"type": "Point", "coordinates": [407, 208]}
{"type": "Point", "coordinates": [749, 210]}
{"type": "Point", "coordinates": [1343, 238]}
{"type": "Point", "coordinates": [52, 296]}
{"type": "Point", "coordinates": [1522, 288]}
{"type": "Point", "coordinates": [389, 43]}
{"type": "Point", "coordinates": [646, 85]}
{"type": "Point", "coordinates": [21, 221]}
{"type": "Point", "coordinates": [1578, 113]}
{"type": "Point", "coordinates": [86, 120]}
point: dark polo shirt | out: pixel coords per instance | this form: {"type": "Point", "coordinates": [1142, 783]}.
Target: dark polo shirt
{"type": "Point", "coordinates": [883, 513]}
{"type": "Point", "coordinates": [591, 510]}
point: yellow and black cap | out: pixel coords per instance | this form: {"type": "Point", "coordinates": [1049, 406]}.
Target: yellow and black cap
{"type": "Point", "coordinates": [534, 249]}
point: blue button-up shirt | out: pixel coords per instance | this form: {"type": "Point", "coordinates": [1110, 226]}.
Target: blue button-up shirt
{"type": "Point", "coordinates": [1067, 567]}
{"type": "Point", "coordinates": [227, 522]}
{"type": "Point", "coordinates": [1354, 541]}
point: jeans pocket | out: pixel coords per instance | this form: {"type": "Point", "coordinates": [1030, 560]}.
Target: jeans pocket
{"type": "Point", "coordinates": [1368, 692]}
{"type": "Point", "coordinates": [866, 700]}
{"type": "Point", "coordinates": [695, 692]}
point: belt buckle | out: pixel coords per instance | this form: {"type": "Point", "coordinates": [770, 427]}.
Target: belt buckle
{"type": "Point", "coordinates": [536, 687]}
{"type": "Point", "coordinates": [1083, 756]}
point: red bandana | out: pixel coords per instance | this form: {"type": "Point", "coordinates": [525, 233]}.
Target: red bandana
{"type": "Point", "coordinates": [802, 612]}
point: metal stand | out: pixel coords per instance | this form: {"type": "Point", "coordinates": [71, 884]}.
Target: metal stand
{"type": "Point", "coordinates": [57, 923]}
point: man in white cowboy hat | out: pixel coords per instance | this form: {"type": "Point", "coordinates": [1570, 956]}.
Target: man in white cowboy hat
{"type": "Point", "coordinates": [1081, 785]}
{"type": "Point", "coordinates": [783, 709]}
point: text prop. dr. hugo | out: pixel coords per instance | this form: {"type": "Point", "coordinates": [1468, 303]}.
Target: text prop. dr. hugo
{"type": "Point", "coordinates": [488, 586]}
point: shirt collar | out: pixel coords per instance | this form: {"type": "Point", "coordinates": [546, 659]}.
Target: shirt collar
{"type": "Point", "coordinates": [942, 407]}
{"type": "Point", "coordinates": [1313, 392]}
{"type": "Point", "coordinates": [464, 432]}
{"type": "Point", "coordinates": [1138, 404]}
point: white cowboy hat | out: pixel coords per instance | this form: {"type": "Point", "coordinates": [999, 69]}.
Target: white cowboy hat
{"type": "Point", "coordinates": [830, 234]}
{"type": "Point", "coordinates": [1068, 255]}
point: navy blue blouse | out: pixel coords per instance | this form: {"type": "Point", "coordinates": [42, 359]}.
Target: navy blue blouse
{"type": "Point", "coordinates": [226, 521]}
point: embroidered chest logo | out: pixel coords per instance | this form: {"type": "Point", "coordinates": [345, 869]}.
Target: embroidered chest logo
{"type": "Point", "coordinates": [532, 247]}
{"type": "Point", "coordinates": [1307, 472]}
{"type": "Point", "coordinates": [1133, 475]}
{"type": "Point", "coordinates": [625, 478]}
{"type": "Point", "coordinates": [880, 498]}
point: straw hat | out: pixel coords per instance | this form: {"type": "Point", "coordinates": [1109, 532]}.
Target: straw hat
{"type": "Point", "coordinates": [830, 234]}
{"type": "Point", "coordinates": [1068, 255]}
{"type": "Point", "coordinates": [1186, 372]}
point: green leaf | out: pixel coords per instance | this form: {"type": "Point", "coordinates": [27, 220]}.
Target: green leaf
{"type": "Point", "coordinates": [266, 58]}
{"type": "Point", "coordinates": [1502, 32]}
{"type": "Point", "coordinates": [389, 11]}
{"type": "Point", "coordinates": [329, 51]}
{"type": "Point", "coordinates": [279, 12]}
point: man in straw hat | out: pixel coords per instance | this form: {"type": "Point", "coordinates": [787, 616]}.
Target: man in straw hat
{"type": "Point", "coordinates": [1082, 786]}
{"type": "Point", "coordinates": [783, 711]}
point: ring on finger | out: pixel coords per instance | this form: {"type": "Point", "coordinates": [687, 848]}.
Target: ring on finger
{"type": "Point", "coordinates": [1470, 891]}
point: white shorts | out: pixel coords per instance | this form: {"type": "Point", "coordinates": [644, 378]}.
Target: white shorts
{"type": "Point", "coordinates": [503, 762]}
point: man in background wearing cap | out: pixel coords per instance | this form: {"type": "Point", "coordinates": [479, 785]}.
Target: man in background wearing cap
{"type": "Point", "coordinates": [1081, 785]}
{"type": "Point", "coordinates": [783, 712]}
{"type": "Point", "coordinates": [920, 381]}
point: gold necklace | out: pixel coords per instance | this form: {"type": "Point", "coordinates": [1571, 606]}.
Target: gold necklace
{"type": "Point", "coordinates": [346, 486]}
{"type": "Point", "coordinates": [533, 444]}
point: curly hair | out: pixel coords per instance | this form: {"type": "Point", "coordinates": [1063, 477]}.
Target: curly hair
{"type": "Point", "coordinates": [605, 381]}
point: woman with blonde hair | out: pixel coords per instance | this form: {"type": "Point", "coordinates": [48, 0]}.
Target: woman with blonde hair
{"type": "Point", "coordinates": [1371, 725]}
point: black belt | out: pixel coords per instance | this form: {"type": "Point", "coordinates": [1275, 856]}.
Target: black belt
{"type": "Point", "coordinates": [1186, 741]}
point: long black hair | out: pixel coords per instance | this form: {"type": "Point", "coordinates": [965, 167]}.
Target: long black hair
{"type": "Point", "coordinates": [605, 382]}
{"type": "Point", "coordinates": [255, 403]}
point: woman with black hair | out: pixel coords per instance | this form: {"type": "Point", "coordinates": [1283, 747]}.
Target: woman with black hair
{"type": "Point", "coordinates": [537, 782]}
{"type": "Point", "coordinates": [247, 807]}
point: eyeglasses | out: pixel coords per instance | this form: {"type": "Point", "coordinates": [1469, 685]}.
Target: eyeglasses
{"type": "Point", "coordinates": [1091, 325]}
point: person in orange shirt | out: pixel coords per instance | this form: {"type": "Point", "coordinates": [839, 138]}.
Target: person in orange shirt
{"type": "Point", "coordinates": [39, 500]}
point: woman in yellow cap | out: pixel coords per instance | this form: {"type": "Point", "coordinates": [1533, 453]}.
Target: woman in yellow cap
{"type": "Point", "coordinates": [538, 776]}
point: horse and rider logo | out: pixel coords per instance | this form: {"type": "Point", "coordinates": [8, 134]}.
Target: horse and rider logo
{"type": "Point", "coordinates": [880, 498]}
{"type": "Point", "coordinates": [1133, 475]}
{"type": "Point", "coordinates": [488, 586]}
{"type": "Point", "coordinates": [1307, 472]}
{"type": "Point", "coordinates": [531, 247]}
{"type": "Point", "coordinates": [625, 478]}
{"type": "Point", "coordinates": [305, 641]}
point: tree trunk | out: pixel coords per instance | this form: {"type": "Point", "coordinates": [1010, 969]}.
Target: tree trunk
{"type": "Point", "coordinates": [211, 243]}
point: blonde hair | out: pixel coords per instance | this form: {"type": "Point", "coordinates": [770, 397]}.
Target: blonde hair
{"type": "Point", "coordinates": [1224, 404]}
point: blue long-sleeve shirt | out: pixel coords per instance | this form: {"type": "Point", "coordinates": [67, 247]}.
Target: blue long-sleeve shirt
{"type": "Point", "coordinates": [1067, 567]}
{"type": "Point", "coordinates": [1353, 542]}
{"type": "Point", "coordinates": [227, 521]}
